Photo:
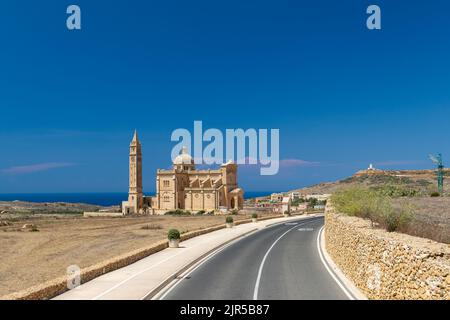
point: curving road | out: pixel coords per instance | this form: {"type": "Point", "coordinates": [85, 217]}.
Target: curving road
{"type": "Point", "coordinates": [278, 262]}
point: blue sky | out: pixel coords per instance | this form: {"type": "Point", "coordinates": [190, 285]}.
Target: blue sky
{"type": "Point", "coordinates": [341, 95]}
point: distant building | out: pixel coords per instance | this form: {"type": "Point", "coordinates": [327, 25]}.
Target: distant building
{"type": "Point", "coordinates": [295, 195]}
{"type": "Point", "coordinates": [299, 207]}
{"type": "Point", "coordinates": [320, 197]}
{"type": "Point", "coordinates": [286, 204]}
{"type": "Point", "coordinates": [276, 197]}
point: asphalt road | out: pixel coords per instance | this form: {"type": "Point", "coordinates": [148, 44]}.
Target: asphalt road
{"type": "Point", "coordinates": [279, 262]}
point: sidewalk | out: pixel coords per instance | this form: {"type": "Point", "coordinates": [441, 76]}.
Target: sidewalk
{"type": "Point", "coordinates": [146, 276]}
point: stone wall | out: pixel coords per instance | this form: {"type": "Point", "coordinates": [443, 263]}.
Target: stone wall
{"type": "Point", "coordinates": [387, 265]}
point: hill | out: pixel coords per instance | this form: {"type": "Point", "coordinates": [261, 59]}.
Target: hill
{"type": "Point", "coordinates": [404, 182]}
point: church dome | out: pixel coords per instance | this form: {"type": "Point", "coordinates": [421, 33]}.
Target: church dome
{"type": "Point", "coordinates": [183, 158]}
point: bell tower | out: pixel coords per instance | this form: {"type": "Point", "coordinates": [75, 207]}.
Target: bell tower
{"type": "Point", "coordinates": [135, 196]}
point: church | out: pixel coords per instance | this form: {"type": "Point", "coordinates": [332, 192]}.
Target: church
{"type": "Point", "coordinates": [183, 186]}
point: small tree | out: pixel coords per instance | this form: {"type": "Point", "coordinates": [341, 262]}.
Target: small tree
{"type": "Point", "coordinates": [254, 216]}
{"type": "Point", "coordinates": [229, 219]}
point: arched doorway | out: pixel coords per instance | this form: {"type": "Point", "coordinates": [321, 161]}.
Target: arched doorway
{"type": "Point", "coordinates": [232, 204]}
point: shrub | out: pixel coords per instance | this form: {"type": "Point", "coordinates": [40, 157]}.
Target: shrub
{"type": "Point", "coordinates": [435, 194]}
{"type": "Point", "coordinates": [396, 219]}
{"type": "Point", "coordinates": [173, 234]}
{"type": "Point", "coordinates": [229, 219]}
{"type": "Point", "coordinates": [297, 201]}
{"type": "Point", "coordinates": [396, 191]}
{"type": "Point", "coordinates": [361, 202]}
{"type": "Point", "coordinates": [201, 212]}
{"type": "Point", "coordinates": [370, 204]}
{"type": "Point", "coordinates": [287, 212]}
{"type": "Point", "coordinates": [254, 216]}
{"type": "Point", "coordinates": [177, 212]}
{"type": "Point", "coordinates": [234, 211]}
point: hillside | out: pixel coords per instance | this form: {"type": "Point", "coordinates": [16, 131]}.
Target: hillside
{"type": "Point", "coordinates": [412, 182]}
{"type": "Point", "coordinates": [431, 214]}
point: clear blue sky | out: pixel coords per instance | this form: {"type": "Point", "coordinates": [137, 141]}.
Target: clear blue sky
{"type": "Point", "coordinates": [341, 95]}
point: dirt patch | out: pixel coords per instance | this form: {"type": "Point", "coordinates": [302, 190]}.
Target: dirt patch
{"type": "Point", "coordinates": [30, 258]}
{"type": "Point", "coordinates": [431, 219]}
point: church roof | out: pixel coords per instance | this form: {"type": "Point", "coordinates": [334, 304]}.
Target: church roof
{"type": "Point", "coordinates": [135, 139]}
{"type": "Point", "coordinates": [227, 163]}
{"type": "Point", "coordinates": [184, 157]}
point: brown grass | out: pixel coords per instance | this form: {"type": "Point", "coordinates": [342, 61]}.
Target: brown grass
{"type": "Point", "coordinates": [431, 219]}
{"type": "Point", "coordinates": [29, 258]}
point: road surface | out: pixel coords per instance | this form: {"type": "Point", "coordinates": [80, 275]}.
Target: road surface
{"type": "Point", "coordinates": [279, 262]}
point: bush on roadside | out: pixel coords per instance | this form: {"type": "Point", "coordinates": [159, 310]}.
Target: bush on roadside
{"type": "Point", "coordinates": [254, 216]}
{"type": "Point", "coordinates": [178, 212]}
{"type": "Point", "coordinates": [397, 218]}
{"type": "Point", "coordinates": [370, 204]}
{"type": "Point", "coordinates": [435, 194]}
{"type": "Point", "coordinates": [234, 212]}
{"type": "Point", "coordinates": [173, 234]}
{"type": "Point", "coordinates": [201, 212]}
{"type": "Point", "coordinates": [229, 219]}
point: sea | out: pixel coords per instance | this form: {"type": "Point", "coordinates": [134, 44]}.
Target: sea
{"type": "Point", "coordinates": [101, 199]}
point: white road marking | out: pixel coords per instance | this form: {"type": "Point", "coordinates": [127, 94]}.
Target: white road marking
{"type": "Point", "coordinates": [171, 286]}
{"type": "Point", "coordinates": [143, 271]}
{"type": "Point", "coordinates": [347, 293]}
{"type": "Point", "coordinates": [291, 224]}
{"type": "Point", "coordinates": [176, 282]}
{"type": "Point", "coordinates": [261, 266]}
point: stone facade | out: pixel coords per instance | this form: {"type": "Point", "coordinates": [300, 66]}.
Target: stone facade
{"type": "Point", "coordinates": [135, 203]}
{"type": "Point", "coordinates": [183, 187]}
{"type": "Point", "coordinates": [186, 188]}
{"type": "Point", "coordinates": [387, 265]}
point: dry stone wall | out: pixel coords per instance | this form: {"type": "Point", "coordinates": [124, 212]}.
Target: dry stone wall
{"type": "Point", "coordinates": [387, 265]}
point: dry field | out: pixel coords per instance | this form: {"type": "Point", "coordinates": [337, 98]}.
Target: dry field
{"type": "Point", "coordinates": [431, 218]}
{"type": "Point", "coordinates": [29, 258]}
